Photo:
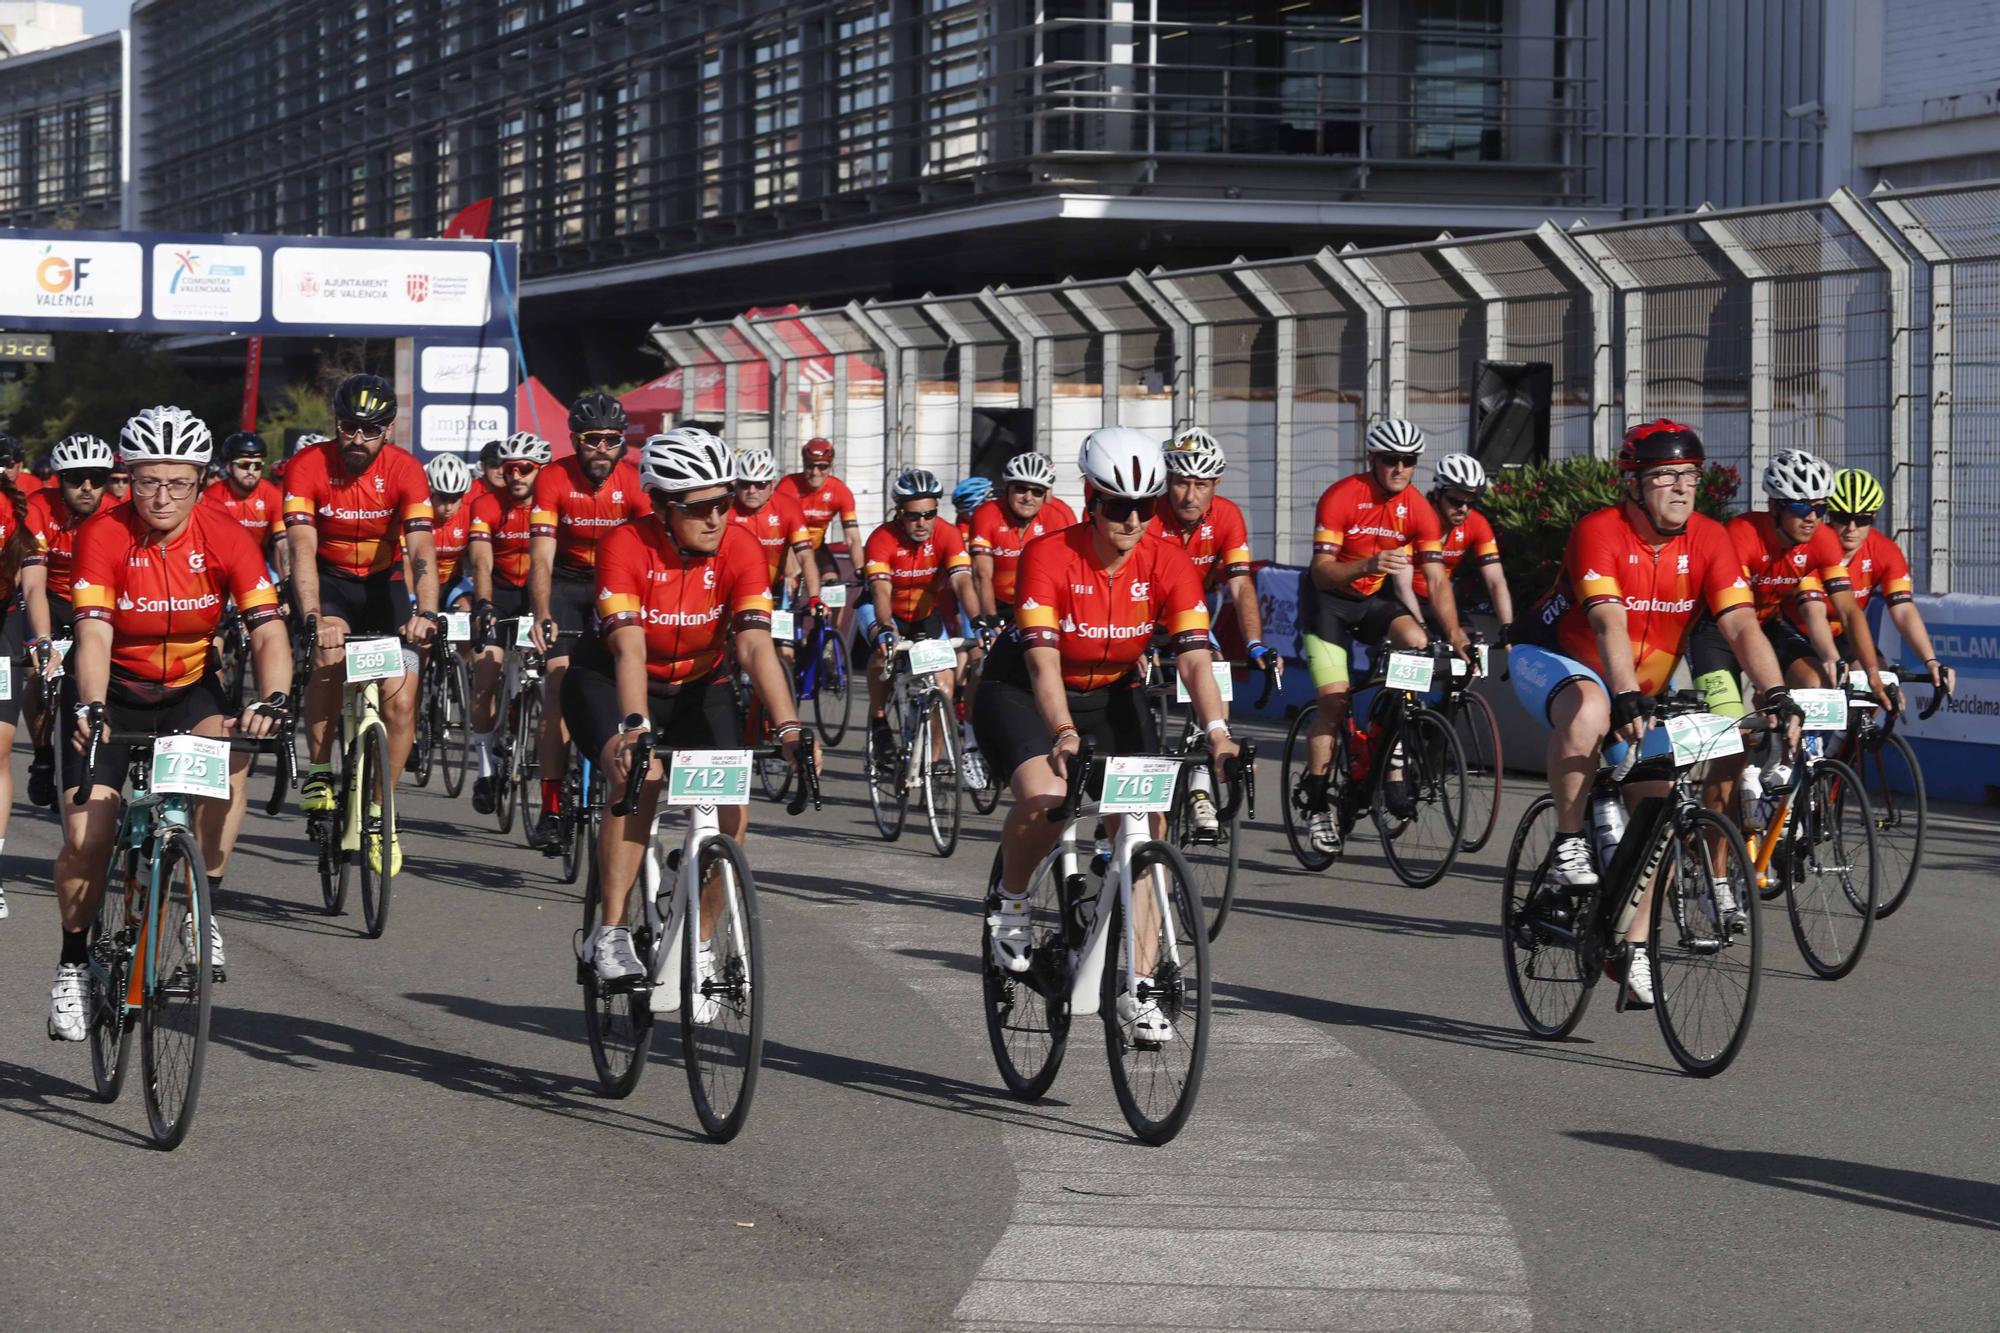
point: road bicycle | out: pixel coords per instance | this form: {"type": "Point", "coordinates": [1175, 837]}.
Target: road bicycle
{"type": "Point", "coordinates": [1894, 781]}
{"type": "Point", "coordinates": [715, 984]}
{"type": "Point", "coordinates": [443, 742]}
{"type": "Point", "coordinates": [1478, 731]}
{"type": "Point", "coordinates": [1706, 960]}
{"type": "Point", "coordinates": [357, 836]}
{"type": "Point", "coordinates": [232, 649]}
{"type": "Point", "coordinates": [581, 813]}
{"type": "Point", "coordinates": [1212, 856]}
{"type": "Point", "coordinates": [517, 747]}
{"type": "Point", "coordinates": [1085, 957]}
{"type": "Point", "coordinates": [976, 775]}
{"type": "Point", "coordinates": [151, 961]}
{"type": "Point", "coordinates": [1404, 769]}
{"type": "Point", "coordinates": [819, 669]}
{"type": "Point", "coordinates": [924, 724]}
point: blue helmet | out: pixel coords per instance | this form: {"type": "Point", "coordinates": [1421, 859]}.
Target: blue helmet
{"type": "Point", "coordinates": [971, 493]}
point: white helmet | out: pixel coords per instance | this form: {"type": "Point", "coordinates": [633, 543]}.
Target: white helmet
{"type": "Point", "coordinates": [757, 466]}
{"type": "Point", "coordinates": [1194, 453]}
{"type": "Point", "coordinates": [1120, 461]}
{"type": "Point", "coordinates": [1462, 471]}
{"type": "Point", "coordinates": [166, 435]}
{"type": "Point", "coordinates": [522, 446]}
{"type": "Point", "coordinates": [684, 459]}
{"type": "Point", "coordinates": [1029, 469]}
{"type": "Point", "coordinates": [1393, 435]}
{"type": "Point", "coordinates": [1794, 474]}
{"type": "Point", "coordinates": [449, 475]}
{"type": "Point", "coordinates": [308, 440]}
{"type": "Point", "coordinates": [79, 451]}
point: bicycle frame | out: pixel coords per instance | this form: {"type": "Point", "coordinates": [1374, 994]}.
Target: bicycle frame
{"type": "Point", "coordinates": [361, 708]}
{"type": "Point", "coordinates": [917, 695]}
{"type": "Point", "coordinates": [684, 900]}
{"type": "Point", "coordinates": [138, 824]}
{"type": "Point", "coordinates": [1088, 961]}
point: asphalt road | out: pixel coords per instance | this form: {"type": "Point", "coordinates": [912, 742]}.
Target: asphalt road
{"type": "Point", "coordinates": [406, 1132]}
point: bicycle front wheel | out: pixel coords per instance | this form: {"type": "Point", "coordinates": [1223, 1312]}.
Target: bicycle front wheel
{"type": "Point", "coordinates": [1292, 791]}
{"type": "Point", "coordinates": [888, 793]}
{"type": "Point", "coordinates": [831, 696]}
{"type": "Point", "coordinates": [1027, 1013]}
{"type": "Point", "coordinates": [617, 1021]}
{"type": "Point", "coordinates": [938, 739]}
{"type": "Point", "coordinates": [1479, 742]}
{"type": "Point", "coordinates": [376, 859]}
{"type": "Point", "coordinates": [112, 937]}
{"type": "Point", "coordinates": [1211, 857]}
{"type": "Point", "coordinates": [1156, 1070]}
{"type": "Point", "coordinates": [527, 764]}
{"type": "Point", "coordinates": [1895, 787]}
{"type": "Point", "coordinates": [178, 989]}
{"type": "Point", "coordinates": [454, 726]}
{"type": "Point", "coordinates": [1705, 975]}
{"type": "Point", "coordinates": [424, 735]}
{"type": "Point", "coordinates": [1546, 971]}
{"type": "Point", "coordinates": [1829, 869]}
{"type": "Point", "coordinates": [1420, 809]}
{"type": "Point", "coordinates": [576, 823]}
{"type": "Point", "coordinates": [722, 980]}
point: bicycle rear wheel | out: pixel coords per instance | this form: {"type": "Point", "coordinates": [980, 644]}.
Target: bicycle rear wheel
{"type": "Point", "coordinates": [722, 1003]}
{"type": "Point", "coordinates": [173, 1022]}
{"type": "Point", "coordinates": [942, 790]}
{"type": "Point", "coordinates": [378, 828]}
{"type": "Point", "coordinates": [1211, 859]}
{"type": "Point", "coordinates": [1546, 972]}
{"type": "Point", "coordinates": [617, 1022]}
{"type": "Point", "coordinates": [1895, 787]}
{"type": "Point", "coordinates": [1291, 791]}
{"type": "Point", "coordinates": [1830, 870]}
{"type": "Point", "coordinates": [1705, 978]}
{"type": "Point", "coordinates": [1157, 1082]}
{"type": "Point", "coordinates": [1479, 743]}
{"type": "Point", "coordinates": [454, 725]}
{"type": "Point", "coordinates": [1421, 838]}
{"type": "Point", "coordinates": [526, 763]}
{"type": "Point", "coordinates": [112, 937]}
{"type": "Point", "coordinates": [831, 696]}
{"type": "Point", "coordinates": [576, 821]}
{"type": "Point", "coordinates": [1027, 1013]}
{"type": "Point", "coordinates": [423, 735]}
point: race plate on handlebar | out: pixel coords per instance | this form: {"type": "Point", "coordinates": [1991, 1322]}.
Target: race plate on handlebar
{"type": "Point", "coordinates": [833, 596]}
{"type": "Point", "coordinates": [1482, 653]}
{"type": "Point", "coordinates": [374, 659]}
{"type": "Point", "coordinates": [1137, 785]}
{"type": "Point", "coordinates": [709, 777]}
{"type": "Point", "coordinates": [1697, 737]}
{"type": "Point", "coordinates": [928, 656]}
{"type": "Point", "coordinates": [1225, 683]}
{"type": "Point", "coordinates": [1857, 679]}
{"type": "Point", "coordinates": [1825, 710]}
{"type": "Point", "coordinates": [58, 657]}
{"type": "Point", "coordinates": [1410, 671]}
{"type": "Point", "coordinates": [458, 627]}
{"type": "Point", "coordinates": [191, 766]}
{"type": "Point", "coordinates": [783, 628]}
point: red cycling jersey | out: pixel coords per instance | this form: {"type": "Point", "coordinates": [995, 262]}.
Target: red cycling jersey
{"type": "Point", "coordinates": [915, 574]}
{"type": "Point", "coordinates": [778, 526]}
{"type": "Point", "coordinates": [163, 601]}
{"type": "Point", "coordinates": [579, 517]}
{"type": "Point", "coordinates": [360, 520]}
{"type": "Point", "coordinates": [452, 536]}
{"type": "Point", "coordinates": [1219, 545]}
{"type": "Point", "coordinates": [507, 525]}
{"type": "Point", "coordinates": [1102, 623]}
{"type": "Point", "coordinates": [1878, 563]}
{"type": "Point", "coordinates": [1357, 518]}
{"type": "Point", "coordinates": [1607, 562]}
{"type": "Point", "coordinates": [1475, 538]}
{"type": "Point", "coordinates": [262, 512]}
{"type": "Point", "coordinates": [1782, 572]}
{"type": "Point", "coordinates": [54, 526]}
{"type": "Point", "coordinates": [996, 533]}
{"type": "Point", "coordinates": [644, 580]}
{"type": "Point", "coordinates": [821, 507]}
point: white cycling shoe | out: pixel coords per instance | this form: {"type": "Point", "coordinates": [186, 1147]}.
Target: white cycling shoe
{"type": "Point", "coordinates": [1202, 817]}
{"type": "Point", "coordinates": [67, 1000]}
{"type": "Point", "coordinates": [1639, 979]}
{"type": "Point", "coordinates": [1008, 926]}
{"type": "Point", "coordinates": [218, 965]}
{"type": "Point", "coordinates": [1142, 1018]}
{"type": "Point", "coordinates": [612, 956]}
{"type": "Point", "coordinates": [1728, 912]}
{"type": "Point", "coordinates": [1323, 832]}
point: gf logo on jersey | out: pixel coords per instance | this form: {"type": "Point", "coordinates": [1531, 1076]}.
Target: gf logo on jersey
{"type": "Point", "coordinates": [197, 561]}
{"type": "Point", "coordinates": [708, 577]}
{"type": "Point", "coordinates": [1140, 591]}
{"type": "Point", "coordinates": [618, 497]}
{"type": "Point", "coordinates": [1799, 559]}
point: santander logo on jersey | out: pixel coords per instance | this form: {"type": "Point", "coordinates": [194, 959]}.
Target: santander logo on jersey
{"type": "Point", "coordinates": [682, 619]}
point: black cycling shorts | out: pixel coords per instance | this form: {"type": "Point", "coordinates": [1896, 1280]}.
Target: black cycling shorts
{"type": "Point", "coordinates": [1010, 729]}
{"type": "Point", "coordinates": [573, 606]}
{"type": "Point", "coordinates": [1345, 621]}
{"type": "Point", "coordinates": [698, 715]}
{"type": "Point", "coordinates": [377, 604]}
{"type": "Point", "coordinates": [13, 647]}
{"type": "Point", "coordinates": [126, 708]}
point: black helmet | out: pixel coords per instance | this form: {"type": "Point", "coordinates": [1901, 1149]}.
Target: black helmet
{"type": "Point", "coordinates": [596, 411]}
{"type": "Point", "coordinates": [244, 444]}
{"type": "Point", "coordinates": [489, 454]}
{"type": "Point", "coordinates": [11, 451]}
{"type": "Point", "coordinates": [368, 399]}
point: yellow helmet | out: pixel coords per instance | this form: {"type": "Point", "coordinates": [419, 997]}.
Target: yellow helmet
{"type": "Point", "coordinates": [1855, 492]}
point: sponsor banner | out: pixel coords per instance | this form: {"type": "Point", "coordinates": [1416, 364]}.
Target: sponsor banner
{"type": "Point", "coordinates": [1278, 603]}
{"type": "Point", "coordinates": [343, 285]}
{"type": "Point", "coordinates": [461, 428]}
{"type": "Point", "coordinates": [466, 371]}
{"type": "Point", "coordinates": [222, 284]}
{"type": "Point", "coordinates": [1965, 632]}
{"type": "Point", "coordinates": [67, 279]}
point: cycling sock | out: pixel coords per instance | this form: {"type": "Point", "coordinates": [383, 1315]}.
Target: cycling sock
{"type": "Point", "coordinates": [319, 770]}
{"type": "Point", "coordinates": [76, 946]}
{"type": "Point", "coordinates": [482, 741]}
{"type": "Point", "coordinates": [551, 796]}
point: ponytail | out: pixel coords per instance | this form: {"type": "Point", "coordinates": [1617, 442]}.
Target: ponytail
{"type": "Point", "coordinates": [20, 542]}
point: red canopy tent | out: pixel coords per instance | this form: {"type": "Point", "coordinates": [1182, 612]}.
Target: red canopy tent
{"type": "Point", "coordinates": [539, 411]}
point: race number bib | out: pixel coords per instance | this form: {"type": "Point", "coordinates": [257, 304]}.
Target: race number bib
{"type": "Point", "coordinates": [1410, 671]}
{"type": "Point", "coordinates": [1701, 736]}
{"type": "Point", "coordinates": [833, 595]}
{"type": "Point", "coordinates": [458, 627]}
{"type": "Point", "coordinates": [58, 656]}
{"type": "Point", "coordinates": [1857, 679]}
{"type": "Point", "coordinates": [1225, 683]}
{"type": "Point", "coordinates": [709, 777]}
{"type": "Point", "coordinates": [191, 766]}
{"type": "Point", "coordinates": [374, 659]}
{"type": "Point", "coordinates": [928, 656]}
{"type": "Point", "coordinates": [783, 629]}
{"type": "Point", "coordinates": [1825, 710]}
{"type": "Point", "coordinates": [1138, 786]}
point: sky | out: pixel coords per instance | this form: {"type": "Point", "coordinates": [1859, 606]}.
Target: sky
{"type": "Point", "coordinates": [104, 15]}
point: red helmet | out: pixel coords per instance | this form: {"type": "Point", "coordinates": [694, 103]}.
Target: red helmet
{"type": "Point", "coordinates": [819, 449]}
{"type": "Point", "coordinates": [1657, 442]}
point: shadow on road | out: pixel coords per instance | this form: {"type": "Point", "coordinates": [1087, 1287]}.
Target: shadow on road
{"type": "Point", "coordinates": [56, 1101]}
{"type": "Point", "coordinates": [1935, 1198]}
{"type": "Point", "coordinates": [1361, 918]}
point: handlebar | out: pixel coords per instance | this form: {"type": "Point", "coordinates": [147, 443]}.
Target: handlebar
{"type": "Point", "coordinates": [649, 745]}
{"type": "Point", "coordinates": [1939, 694]}
{"type": "Point", "coordinates": [1240, 774]}
{"type": "Point", "coordinates": [808, 776]}
{"type": "Point", "coordinates": [97, 738]}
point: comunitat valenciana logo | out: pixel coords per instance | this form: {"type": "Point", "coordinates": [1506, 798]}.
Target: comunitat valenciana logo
{"type": "Point", "coordinates": [62, 279]}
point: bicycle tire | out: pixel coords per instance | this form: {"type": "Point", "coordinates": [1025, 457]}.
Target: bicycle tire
{"type": "Point", "coordinates": [1832, 835]}
{"type": "Point", "coordinates": [1027, 1013]}
{"type": "Point", "coordinates": [1213, 864]}
{"type": "Point", "coordinates": [1291, 791]}
{"type": "Point", "coordinates": [1157, 1086]}
{"type": "Point", "coordinates": [174, 1016]}
{"type": "Point", "coordinates": [943, 791]}
{"type": "Point", "coordinates": [455, 725]}
{"type": "Point", "coordinates": [888, 799]}
{"type": "Point", "coordinates": [111, 949]}
{"type": "Point", "coordinates": [376, 885]}
{"type": "Point", "coordinates": [833, 699]}
{"type": "Point", "coordinates": [424, 736]}
{"type": "Point", "coordinates": [1485, 768]}
{"type": "Point", "coordinates": [1434, 771]}
{"type": "Point", "coordinates": [332, 876]}
{"type": "Point", "coordinates": [722, 1014]}
{"type": "Point", "coordinates": [986, 796]}
{"type": "Point", "coordinates": [618, 1024]}
{"type": "Point", "coordinates": [1694, 958]}
{"type": "Point", "coordinates": [510, 743]}
{"type": "Point", "coordinates": [1546, 973]}
{"type": "Point", "coordinates": [527, 766]}
{"type": "Point", "coordinates": [576, 821]}
{"type": "Point", "coordinates": [1902, 817]}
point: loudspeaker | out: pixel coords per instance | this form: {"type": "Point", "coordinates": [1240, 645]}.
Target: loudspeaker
{"type": "Point", "coordinates": [1510, 413]}
{"type": "Point", "coordinates": [998, 433]}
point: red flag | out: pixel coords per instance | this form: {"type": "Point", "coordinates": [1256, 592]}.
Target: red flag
{"type": "Point", "coordinates": [253, 366]}
{"type": "Point", "coordinates": [471, 222]}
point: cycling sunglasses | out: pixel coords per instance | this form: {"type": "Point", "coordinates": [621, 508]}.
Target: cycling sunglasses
{"type": "Point", "coordinates": [1459, 498]}
{"type": "Point", "coordinates": [921, 515]}
{"type": "Point", "coordinates": [1801, 508]}
{"type": "Point", "coordinates": [704, 511]}
{"type": "Point", "coordinates": [601, 439]}
{"type": "Point", "coordinates": [1397, 461]}
{"type": "Point", "coordinates": [1120, 510]}
{"type": "Point", "coordinates": [360, 431]}
{"type": "Point", "coordinates": [254, 463]}
{"type": "Point", "coordinates": [520, 469]}
{"type": "Point", "coordinates": [1023, 488]}
{"type": "Point", "coordinates": [1850, 520]}
{"type": "Point", "coordinates": [95, 477]}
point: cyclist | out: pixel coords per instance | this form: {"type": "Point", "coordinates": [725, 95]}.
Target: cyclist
{"type": "Point", "coordinates": [350, 503]}
{"type": "Point", "coordinates": [1024, 509]}
{"type": "Point", "coordinates": [83, 469]}
{"type": "Point", "coordinates": [1091, 598]}
{"type": "Point", "coordinates": [777, 524]}
{"type": "Point", "coordinates": [675, 589]}
{"type": "Point", "coordinates": [451, 530]}
{"type": "Point", "coordinates": [1370, 531]}
{"type": "Point", "coordinates": [1597, 649]}
{"type": "Point", "coordinates": [243, 494]}
{"type": "Point", "coordinates": [966, 497]}
{"type": "Point", "coordinates": [579, 501]}
{"type": "Point", "coordinates": [910, 561]}
{"type": "Point", "coordinates": [499, 556]}
{"type": "Point", "coordinates": [1456, 485]}
{"type": "Point", "coordinates": [1876, 562]}
{"type": "Point", "coordinates": [12, 455]}
{"type": "Point", "coordinates": [151, 578]}
{"type": "Point", "coordinates": [822, 497]}
{"type": "Point", "coordinates": [119, 489]}
{"type": "Point", "coordinates": [491, 473]}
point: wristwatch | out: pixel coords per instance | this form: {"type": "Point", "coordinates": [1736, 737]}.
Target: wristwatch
{"type": "Point", "coordinates": [633, 722]}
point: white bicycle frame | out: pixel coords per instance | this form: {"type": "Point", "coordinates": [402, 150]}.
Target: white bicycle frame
{"type": "Point", "coordinates": [1088, 962]}
{"type": "Point", "coordinates": [905, 685]}
{"type": "Point", "coordinates": [684, 897]}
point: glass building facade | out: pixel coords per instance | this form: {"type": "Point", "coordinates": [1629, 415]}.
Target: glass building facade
{"type": "Point", "coordinates": [60, 122]}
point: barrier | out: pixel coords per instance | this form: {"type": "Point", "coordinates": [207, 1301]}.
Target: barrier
{"type": "Point", "coordinates": [1959, 747]}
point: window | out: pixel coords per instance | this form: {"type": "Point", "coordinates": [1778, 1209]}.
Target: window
{"type": "Point", "coordinates": [563, 173]}
{"type": "Point", "coordinates": [10, 165]}
{"type": "Point", "coordinates": [774, 116]}
{"type": "Point", "coordinates": [1455, 80]}
{"type": "Point", "coordinates": [51, 158]}
{"type": "Point", "coordinates": [862, 91]}
{"type": "Point", "coordinates": [711, 132]}
{"type": "Point", "coordinates": [956, 75]}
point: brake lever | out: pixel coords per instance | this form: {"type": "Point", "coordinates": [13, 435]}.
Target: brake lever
{"type": "Point", "coordinates": [641, 761]}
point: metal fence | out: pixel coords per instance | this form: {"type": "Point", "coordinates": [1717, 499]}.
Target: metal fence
{"type": "Point", "coordinates": [1866, 330]}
